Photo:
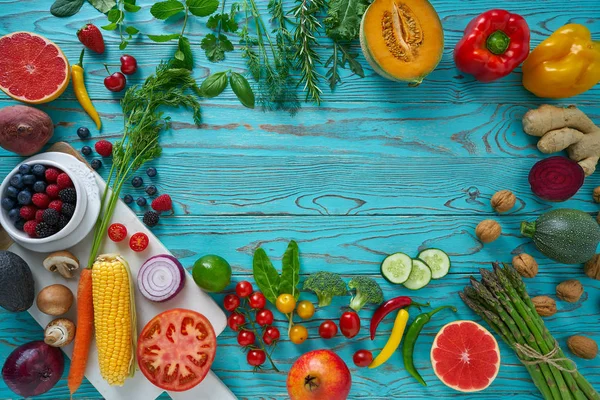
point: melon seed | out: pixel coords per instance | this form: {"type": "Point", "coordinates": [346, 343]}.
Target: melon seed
{"type": "Point", "coordinates": [402, 32]}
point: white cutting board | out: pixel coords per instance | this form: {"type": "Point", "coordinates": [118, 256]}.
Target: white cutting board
{"type": "Point", "coordinates": [190, 297]}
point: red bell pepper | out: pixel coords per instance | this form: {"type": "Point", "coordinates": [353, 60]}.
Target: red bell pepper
{"type": "Point", "coordinates": [494, 44]}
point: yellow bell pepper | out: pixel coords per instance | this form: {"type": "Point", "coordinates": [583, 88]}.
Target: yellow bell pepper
{"type": "Point", "coordinates": [393, 341]}
{"type": "Point", "coordinates": [564, 65]}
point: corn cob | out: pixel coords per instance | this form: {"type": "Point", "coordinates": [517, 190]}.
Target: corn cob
{"type": "Point", "coordinates": [114, 318]}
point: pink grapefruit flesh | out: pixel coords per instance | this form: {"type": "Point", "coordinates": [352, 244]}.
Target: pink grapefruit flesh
{"type": "Point", "coordinates": [32, 68]}
{"type": "Point", "coordinates": [465, 356]}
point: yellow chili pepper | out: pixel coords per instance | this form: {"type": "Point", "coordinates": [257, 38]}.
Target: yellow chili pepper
{"type": "Point", "coordinates": [565, 64]}
{"type": "Point", "coordinates": [393, 341]}
{"type": "Point", "coordinates": [81, 92]}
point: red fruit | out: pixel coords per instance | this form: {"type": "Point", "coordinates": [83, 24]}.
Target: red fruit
{"type": "Point", "coordinates": [264, 317]}
{"type": "Point", "coordinates": [271, 334]}
{"type": "Point", "coordinates": [139, 242]}
{"type": "Point", "coordinates": [63, 181]}
{"type": "Point", "coordinates": [39, 215]}
{"type": "Point", "coordinates": [117, 232]}
{"type": "Point", "coordinates": [256, 358]}
{"type": "Point", "coordinates": [235, 321]}
{"type": "Point", "coordinates": [41, 200]}
{"type": "Point", "coordinates": [163, 203]}
{"type": "Point", "coordinates": [128, 64]}
{"type": "Point", "coordinates": [56, 204]}
{"type": "Point", "coordinates": [28, 212]}
{"type": "Point", "coordinates": [52, 174]}
{"type": "Point", "coordinates": [257, 300]}
{"type": "Point", "coordinates": [362, 358]}
{"type": "Point", "coordinates": [243, 289]}
{"type": "Point", "coordinates": [115, 82]}
{"type": "Point", "coordinates": [104, 148]}
{"type": "Point", "coordinates": [350, 324]}
{"type": "Point", "coordinates": [246, 338]}
{"type": "Point", "coordinates": [319, 374]}
{"type": "Point", "coordinates": [52, 190]}
{"type": "Point", "coordinates": [231, 302]}
{"type": "Point", "coordinates": [328, 329]}
{"type": "Point", "coordinates": [29, 228]}
{"type": "Point", "coordinates": [91, 37]}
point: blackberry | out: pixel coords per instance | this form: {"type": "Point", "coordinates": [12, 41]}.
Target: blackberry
{"type": "Point", "coordinates": [86, 150]}
{"type": "Point", "coordinates": [137, 181]}
{"type": "Point", "coordinates": [151, 218]}
{"type": "Point", "coordinates": [24, 169]}
{"type": "Point", "coordinates": [141, 201]}
{"type": "Point", "coordinates": [151, 172]}
{"type": "Point", "coordinates": [20, 223]}
{"type": "Point", "coordinates": [128, 199]}
{"type": "Point", "coordinates": [39, 187]}
{"type": "Point", "coordinates": [68, 210]}
{"type": "Point", "coordinates": [43, 230]}
{"type": "Point", "coordinates": [151, 190]}
{"type": "Point", "coordinates": [68, 195]}
{"type": "Point", "coordinates": [50, 216]}
{"type": "Point", "coordinates": [39, 170]}
{"type": "Point", "coordinates": [62, 222]}
{"type": "Point", "coordinates": [83, 132]}
{"type": "Point", "coordinates": [96, 164]}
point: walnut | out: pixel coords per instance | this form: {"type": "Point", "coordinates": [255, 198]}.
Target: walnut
{"type": "Point", "coordinates": [596, 194]}
{"type": "Point", "coordinates": [592, 267]}
{"type": "Point", "coordinates": [488, 230]}
{"type": "Point", "coordinates": [544, 305]}
{"type": "Point", "coordinates": [525, 265]}
{"type": "Point", "coordinates": [583, 347]}
{"type": "Point", "coordinates": [570, 290]}
{"type": "Point", "coordinates": [503, 201]}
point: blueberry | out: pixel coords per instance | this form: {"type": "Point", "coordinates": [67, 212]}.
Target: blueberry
{"type": "Point", "coordinates": [39, 187]}
{"type": "Point", "coordinates": [96, 164]}
{"type": "Point", "coordinates": [19, 224]}
{"type": "Point", "coordinates": [151, 172]}
{"type": "Point", "coordinates": [39, 170]}
{"type": "Point", "coordinates": [151, 190]}
{"type": "Point", "coordinates": [24, 197]}
{"type": "Point", "coordinates": [128, 199]}
{"type": "Point", "coordinates": [12, 192]}
{"type": "Point", "coordinates": [141, 201]}
{"type": "Point", "coordinates": [24, 169]}
{"type": "Point", "coordinates": [137, 181]}
{"type": "Point", "coordinates": [83, 132]}
{"type": "Point", "coordinates": [17, 181]}
{"type": "Point", "coordinates": [14, 214]}
{"type": "Point", "coordinates": [29, 179]}
{"type": "Point", "coordinates": [86, 150]}
{"type": "Point", "coordinates": [8, 203]}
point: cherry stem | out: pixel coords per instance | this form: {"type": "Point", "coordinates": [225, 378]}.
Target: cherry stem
{"type": "Point", "coordinates": [259, 338]}
{"type": "Point", "coordinates": [106, 67]}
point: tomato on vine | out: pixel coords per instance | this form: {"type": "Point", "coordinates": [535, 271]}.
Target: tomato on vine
{"type": "Point", "coordinates": [243, 289]}
{"type": "Point", "coordinates": [286, 303]}
{"type": "Point", "coordinates": [328, 329]}
{"type": "Point", "coordinates": [235, 321]}
{"type": "Point", "coordinates": [298, 334]}
{"type": "Point", "coordinates": [231, 302]}
{"type": "Point", "coordinates": [305, 309]}
{"type": "Point", "coordinates": [264, 317]}
{"type": "Point", "coordinates": [256, 358]}
{"type": "Point", "coordinates": [271, 334]}
{"type": "Point", "coordinates": [257, 300]}
{"type": "Point", "coordinates": [246, 338]}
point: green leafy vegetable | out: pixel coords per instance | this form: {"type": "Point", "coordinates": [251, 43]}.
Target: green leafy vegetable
{"type": "Point", "coordinates": [242, 90]}
{"type": "Point", "coordinates": [341, 58]}
{"type": "Point", "coordinates": [185, 50]}
{"type": "Point", "coordinates": [367, 291]}
{"type": "Point", "coordinates": [343, 19]}
{"type": "Point", "coordinates": [103, 6]}
{"type": "Point", "coordinates": [214, 84]}
{"type": "Point", "coordinates": [131, 7]}
{"type": "Point", "coordinates": [266, 276]}
{"type": "Point", "coordinates": [163, 38]}
{"type": "Point", "coordinates": [290, 271]}
{"type": "Point", "coordinates": [226, 21]}
{"type": "Point", "coordinates": [326, 285]}
{"type": "Point", "coordinates": [166, 9]}
{"type": "Point", "coordinates": [216, 46]}
{"type": "Point", "coordinates": [66, 8]}
{"type": "Point", "coordinates": [116, 17]}
{"type": "Point", "coordinates": [202, 8]}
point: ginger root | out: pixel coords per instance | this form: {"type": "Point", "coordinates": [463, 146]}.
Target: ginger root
{"type": "Point", "coordinates": [565, 128]}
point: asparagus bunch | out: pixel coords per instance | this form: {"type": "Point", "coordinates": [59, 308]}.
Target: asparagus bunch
{"type": "Point", "coordinates": [501, 300]}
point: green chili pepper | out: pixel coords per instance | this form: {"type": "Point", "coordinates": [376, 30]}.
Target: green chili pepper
{"type": "Point", "coordinates": [411, 339]}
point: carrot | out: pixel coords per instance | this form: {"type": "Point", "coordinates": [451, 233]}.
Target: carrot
{"type": "Point", "coordinates": [83, 335]}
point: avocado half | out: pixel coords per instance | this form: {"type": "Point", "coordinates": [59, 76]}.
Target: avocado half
{"type": "Point", "coordinates": [16, 281]}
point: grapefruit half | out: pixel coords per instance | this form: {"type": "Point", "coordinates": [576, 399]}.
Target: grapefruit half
{"type": "Point", "coordinates": [32, 68]}
{"type": "Point", "coordinates": [465, 356]}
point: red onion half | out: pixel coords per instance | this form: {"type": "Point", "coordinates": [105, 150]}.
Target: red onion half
{"type": "Point", "coordinates": [161, 278]}
{"type": "Point", "coordinates": [556, 178]}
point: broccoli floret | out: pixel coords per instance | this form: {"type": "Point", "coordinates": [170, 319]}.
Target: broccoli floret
{"type": "Point", "coordinates": [367, 291]}
{"type": "Point", "coordinates": [325, 285]}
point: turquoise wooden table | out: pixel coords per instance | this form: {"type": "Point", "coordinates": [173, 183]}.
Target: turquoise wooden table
{"type": "Point", "coordinates": [378, 168]}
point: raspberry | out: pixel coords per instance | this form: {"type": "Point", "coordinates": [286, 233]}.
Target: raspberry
{"type": "Point", "coordinates": [29, 228]}
{"type": "Point", "coordinates": [151, 218]}
{"type": "Point", "coordinates": [41, 200]}
{"type": "Point", "coordinates": [28, 212]}
{"type": "Point", "coordinates": [52, 174]}
{"type": "Point", "coordinates": [39, 215]}
{"type": "Point", "coordinates": [104, 148]}
{"type": "Point", "coordinates": [52, 191]}
{"type": "Point", "coordinates": [64, 181]}
{"type": "Point", "coordinates": [56, 204]}
{"type": "Point", "coordinates": [162, 203]}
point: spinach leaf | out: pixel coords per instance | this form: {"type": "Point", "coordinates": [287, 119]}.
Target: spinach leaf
{"type": "Point", "coordinates": [266, 276]}
{"type": "Point", "coordinates": [343, 18]}
{"type": "Point", "coordinates": [65, 8]}
{"type": "Point", "coordinates": [290, 271]}
{"type": "Point", "coordinates": [166, 9]}
{"type": "Point", "coordinates": [103, 6]}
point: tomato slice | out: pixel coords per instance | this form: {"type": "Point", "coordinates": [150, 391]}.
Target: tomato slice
{"type": "Point", "coordinates": [176, 349]}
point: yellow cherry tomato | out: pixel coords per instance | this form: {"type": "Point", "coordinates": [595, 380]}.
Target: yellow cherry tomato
{"type": "Point", "coordinates": [286, 303]}
{"type": "Point", "coordinates": [298, 334]}
{"type": "Point", "coordinates": [306, 309]}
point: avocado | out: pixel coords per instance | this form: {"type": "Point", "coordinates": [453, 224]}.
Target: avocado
{"type": "Point", "coordinates": [16, 281]}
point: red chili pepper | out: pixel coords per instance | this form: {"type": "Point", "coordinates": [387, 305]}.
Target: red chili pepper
{"type": "Point", "coordinates": [388, 307]}
{"type": "Point", "coordinates": [494, 44]}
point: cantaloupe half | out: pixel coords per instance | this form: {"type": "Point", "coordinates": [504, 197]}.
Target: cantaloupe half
{"type": "Point", "coordinates": [402, 40]}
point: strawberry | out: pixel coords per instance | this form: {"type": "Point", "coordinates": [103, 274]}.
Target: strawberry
{"type": "Point", "coordinates": [29, 228]}
{"type": "Point", "coordinates": [52, 191]}
{"type": "Point", "coordinates": [104, 148]}
{"type": "Point", "coordinates": [162, 203]}
{"type": "Point", "coordinates": [91, 37]}
{"type": "Point", "coordinates": [52, 174]}
{"type": "Point", "coordinates": [64, 181]}
{"type": "Point", "coordinates": [28, 212]}
{"type": "Point", "coordinates": [56, 204]}
{"type": "Point", "coordinates": [39, 215]}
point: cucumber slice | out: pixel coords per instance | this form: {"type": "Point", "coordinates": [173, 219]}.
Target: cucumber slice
{"type": "Point", "coordinates": [420, 275]}
{"type": "Point", "coordinates": [437, 261]}
{"type": "Point", "coordinates": [396, 268]}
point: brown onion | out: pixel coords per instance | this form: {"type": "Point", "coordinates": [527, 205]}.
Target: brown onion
{"type": "Point", "coordinates": [556, 178]}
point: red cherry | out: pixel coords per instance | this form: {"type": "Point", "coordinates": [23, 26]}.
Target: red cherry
{"type": "Point", "coordinates": [115, 82]}
{"type": "Point", "coordinates": [128, 64]}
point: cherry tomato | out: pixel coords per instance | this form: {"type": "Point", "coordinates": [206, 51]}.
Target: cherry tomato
{"type": "Point", "coordinates": [298, 334]}
{"type": "Point", "coordinates": [243, 289]}
{"type": "Point", "coordinates": [246, 338]}
{"type": "Point", "coordinates": [285, 303]}
{"type": "Point", "coordinates": [138, 242]}
{"type": "Point", "coordinates": [115, 82]}
{"type": "Point", "coordinates": [128, 64]}
{"type": "Point", "coordinates": [328, 329]}
{"type": "Point", "coordinates": [264, 317]}
{"type": "Point", "coordinates": [257, 300]}
{"type": "Point", "coordinates": [117, 232]}
{"type": "Point", "coordinates": [271, 334]}
{"type": "Point", "coordinates": [231, 302]}
{"type": "Point", "coordinates": [350, 324]}
{"type": "Point", "coordinates": [306, 309]}
{"type": "Point", "coordinates": [235, 321]}
{"type": "Point", "coordinates": [256, 358]}
{"type": "Point", "coordinates": [362, 358]}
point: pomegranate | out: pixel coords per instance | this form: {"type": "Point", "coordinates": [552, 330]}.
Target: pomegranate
{"type": "Point", "coordinates": [319, 374]}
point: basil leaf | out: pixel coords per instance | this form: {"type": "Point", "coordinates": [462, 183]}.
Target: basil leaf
{"type": "Point", "coordinates": [65, 8]}
{"type": "Point", "coordinates": [131, 30]}
{"type": "Point", "coordinates": [290, 271]}
{"type": "Point", "coordinates": [103, 6]}
{"type": "Point", "coordinates": [131, 7]}
{"type": "Point", "coordinates": [202, 8]}
{"type": "Point", "coordinates": [163, 38]}
{"type": "Point", "coordinates": [266, 276]}
{"type": "Point", "coordinates": [243, 91]}
{"type": "Point", "coordinates": [184, 48]}
{"type": "Point", "coordinates": [166, 9]}
{"type": "Point", "coordinates": [214, 84]}
{"type": "Point", "coordinates": [110, 27]}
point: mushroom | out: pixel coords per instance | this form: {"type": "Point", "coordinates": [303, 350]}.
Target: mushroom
{"type": "Point", "coordinates": [59, 332]}
{"type": "Point", "coordinates": [62, 262]}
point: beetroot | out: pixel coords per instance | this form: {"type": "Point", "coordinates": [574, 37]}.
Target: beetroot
{"type": "Point", "coordinates": [24, 130]}
{"type": "Point", "coordinates": [556, 178]}
{"type": "Point", "coordinates": [33, 368]}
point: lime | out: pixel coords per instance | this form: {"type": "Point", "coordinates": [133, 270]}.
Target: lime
{"type": "Point", "coordinates": [212, 273]}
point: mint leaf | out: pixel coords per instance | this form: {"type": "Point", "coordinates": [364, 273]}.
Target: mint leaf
{"type": "Point", "coordinates": [115, 15]}
{"type": "Point", "coordinates": [103, 6]}
{"type": "Point", "coordinates": [123, 45]}
{"type": "Point", "coordinates": [65, 8]}
{"type": "Point", "coordinates": [166, 9]}
{"type": "Point", "coordinates": [202, 8]}
{"type": "Point", "coordinates": [110, 27]}
{"type": "Point", "coordinates": [163, 38]}
{"type": "Point", "coordinates": [131, 7]}
{"type": "Point", "coordinates": [131, 30]}
{"type": "Point", "coordinates": [183, 47]}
